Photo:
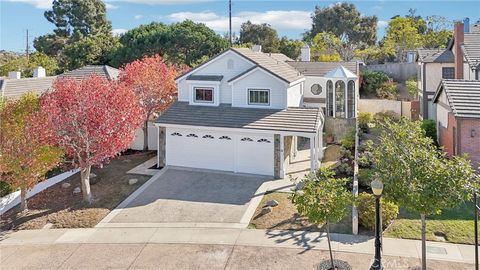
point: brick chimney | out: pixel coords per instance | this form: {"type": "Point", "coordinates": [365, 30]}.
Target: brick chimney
{"type": "Point", "coordinates": [458, 36]}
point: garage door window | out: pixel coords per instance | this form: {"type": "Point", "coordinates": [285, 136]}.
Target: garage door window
{"type": "Point", "coordinates": [224, 138]}
{"type": "Point", "coordinates": [176, 134]}
{"type": "Point", "coordinates": [246, 139]}
{"type": "Point", "coordinates": [203, 94]}
{"type": "Point", "coordinates": [191, 135]}
{"type": "Point", "coordinates": [259, 97]}
{"type": "Point", "coordinates": [264, 141]}
{"type": "Point", "coordinates": [208, 137]}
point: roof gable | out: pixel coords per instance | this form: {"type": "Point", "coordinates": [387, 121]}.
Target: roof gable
{"type": "Point", "coordinates": [463, 97]}
{"type": "Point", "coordinates": [340, 72]}
{"type": "Point", "coordinates": [435, 56]}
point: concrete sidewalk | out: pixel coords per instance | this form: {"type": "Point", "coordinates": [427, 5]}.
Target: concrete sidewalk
{"type": "Point", "coordinates": [241, 237]}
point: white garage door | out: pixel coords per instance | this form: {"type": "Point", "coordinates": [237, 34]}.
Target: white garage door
{"type": "Point", "coordinates": [220, 151]}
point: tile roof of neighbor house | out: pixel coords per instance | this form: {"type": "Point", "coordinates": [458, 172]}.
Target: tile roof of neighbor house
{"type": "Point", "coordinates": [305, 120]}
{"type": "Point", "coordinates": [435, 56]}
{"type": "Point", "coordinates": [276, 67]}
{"type": "Point", "coordinates": [321, 68]}
{"type": "Point", "coordinates": [108, 72]}
{"type": "Point", "coordinates": [463, 97]}
{"type": "Point", "coordinates": [15, 88]}
{"type": "Point", "coordinates": [204, 77]}
{"type": "Point", "coordinates": [471, 49]}
{"type": "Point", "coordinates": [280, 57]}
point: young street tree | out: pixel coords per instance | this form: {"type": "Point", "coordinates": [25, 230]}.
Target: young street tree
{"type": "Point", "coordinates": [419, 177]}
{"type": "Point", "coordinates": [25, 155]}
{"type": "Point", "coordinates": [323, 199]}
{"type": "Point", "coordinates": [153, 82]}
{"type": "Point", "coordinates": [92, 120]}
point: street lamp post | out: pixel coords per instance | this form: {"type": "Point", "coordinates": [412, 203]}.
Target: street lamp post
{"type": "Point", "coordinates": [377, 188]}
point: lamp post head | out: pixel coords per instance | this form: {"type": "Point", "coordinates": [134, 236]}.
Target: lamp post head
{"type": "Point", "coordinates": [377, 187]}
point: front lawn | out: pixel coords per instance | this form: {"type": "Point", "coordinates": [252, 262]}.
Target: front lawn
{"type": "Point", "coordinates": [58, 207]}
{"type": "Point", "coordinates": [285, 217]}
{"type": "Point", "coordinates": [455, 226]}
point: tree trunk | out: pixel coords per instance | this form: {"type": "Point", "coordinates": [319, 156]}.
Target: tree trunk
{"type": "Point", "coordinates": [424, 243]}
{"type": "Point", "coordinates": [85, 179]}
{"type": "Point", "coordinates": [329, 245]}
{"type": "Point", "coordinates": [23, 199]}
{"type": "Point", "coordinates": [145, 136]}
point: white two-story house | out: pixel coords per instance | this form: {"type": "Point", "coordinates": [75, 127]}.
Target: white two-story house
{"type": "Point", "coordinates": [240, 110]}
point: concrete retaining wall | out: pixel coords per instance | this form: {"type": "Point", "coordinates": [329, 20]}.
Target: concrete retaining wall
{"type": "Point", "coordinates": [400, 72]}
{"type": "Point", "coordinates": [338, 126]}
{"type": "Point", "coordinates": [401, 108]}
{"type": "Point", "coordinates": [12, 199]}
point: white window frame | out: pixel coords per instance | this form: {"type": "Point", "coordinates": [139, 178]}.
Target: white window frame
{"type": "Point", "coordinates": [195, 88]}
{"type": "Point", "coordinates": [192, 85]}
{"type": "Point", "coordinates": [259, 89]}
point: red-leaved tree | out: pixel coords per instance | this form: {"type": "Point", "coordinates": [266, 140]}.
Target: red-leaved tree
{"type": "Point", "coordinates": [93, 120]}
{"type": "Point", "coordinates": [153, 81]}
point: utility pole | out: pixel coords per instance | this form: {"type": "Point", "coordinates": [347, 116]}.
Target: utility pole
{"type": "Point", "coordinates": [230, 21]}
{"type": "Point", "coordinates": [27, 47]}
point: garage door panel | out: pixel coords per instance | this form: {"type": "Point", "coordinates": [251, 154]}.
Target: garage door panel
{"type": "Point", "coordinates": [255, 154]}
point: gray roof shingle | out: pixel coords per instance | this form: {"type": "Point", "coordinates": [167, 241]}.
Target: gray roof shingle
{"type": "Point", "coordinates": [278, 68]}
{"type": "Point", "coordinates": [463, 97]}
{"type": "Point", "coordinates": [15, 88]}
{"type": "Point", "coordinates": [321, 68]}
{"type": "Point", "coordinates": [471, 49]}
{"type": "Point", "coordinates": [100, 70]}
{"type": "Point", "coordinates": [305, 120]}
{"type": "Point", "coordinates": [435, 56]}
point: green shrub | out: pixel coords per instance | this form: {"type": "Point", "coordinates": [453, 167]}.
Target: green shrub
{"type": "Point", "coordinates": [5, 189]}
{"type": "Point", "coordinates": [348, 140]}
{"type": "Point", "coordinates": [366, 211]}
{"type": "Point", "coordinates": [388, 90]}
{"type": "Point", "coordinates": [382, 116]}
{"type": "Point", "coordinates": [365, 176]}
{"type": "Point", "coordinates": [412, 87]}
{"type": "Point", "coordinates": [372, 80]}
{"type": "Point", "coordinates": [344, 169]}
{"type": "Point", "coordinates": [365, 159]}
{"type": "Point", "coordinates": [364, 119]}
{"type": "Point", "coordinates": [430, 129]}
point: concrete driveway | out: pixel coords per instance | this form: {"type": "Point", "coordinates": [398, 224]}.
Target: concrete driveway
{"type": "Point", "coordinates": [187, 196]}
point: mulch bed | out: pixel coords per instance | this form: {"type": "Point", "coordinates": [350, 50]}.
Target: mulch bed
{"type": "Point", "coordinates": [63, 209]}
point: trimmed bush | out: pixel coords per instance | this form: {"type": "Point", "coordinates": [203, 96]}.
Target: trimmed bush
{"type": "Point", "coordinates": [382, 116]}
{"type": "Point", "coordinates": [364, 119]}
{"type": "Point", "coordinates": [430, 128]}
{"type": "Point", "coordinates": [388, 90]}
{"type": "Point", "coordinates": [348, 140]}
{"type": "Point", "coordinates": [366, 211]}
{"type": "Point", "coordinates": [365, 159]}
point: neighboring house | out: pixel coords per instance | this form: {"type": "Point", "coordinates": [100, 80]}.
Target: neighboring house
{"type": "Point", "coordinates": [14, 86]}
{"type": "Point", "coordinates": [458, 117]}
{"type": "Point", "coordinates": [243, 111]}
{"type": "Point", "coordinates": [460, 60]}
{"type": "Point", "coordinates": [105, 71]}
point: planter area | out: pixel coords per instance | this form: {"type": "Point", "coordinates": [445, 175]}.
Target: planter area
{"type": "Point", "coordinates": [59, 207]}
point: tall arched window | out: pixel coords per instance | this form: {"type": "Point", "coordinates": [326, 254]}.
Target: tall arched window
{"type": "Point", "coordinates": [351, 99]}
{"type": "Point", "coordinates": [340, 99]}
{"type": "Point", "coordinates": [329, 98]}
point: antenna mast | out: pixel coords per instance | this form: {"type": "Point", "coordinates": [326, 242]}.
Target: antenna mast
{"type": "Point", "coordinates": [230, 21]}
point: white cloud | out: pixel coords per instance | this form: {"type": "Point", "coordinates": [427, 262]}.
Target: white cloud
{"type": "Point", "coordinates": [42, 4]}
{"type": "Point", "coordinates": [118, 31]}
{"type": "Point", "coordinates": [278, 19]}
{"type": "Point", "coordinates": [382, 24]}
{"type": "Point", "coordinates": [138, 17]}
{"type": "Point", "coordinates": [110, 6]}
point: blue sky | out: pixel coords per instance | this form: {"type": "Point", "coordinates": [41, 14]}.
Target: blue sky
{"type": "Point", "coordinates": [290, 18]}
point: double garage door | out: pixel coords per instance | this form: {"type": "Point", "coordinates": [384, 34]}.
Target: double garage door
{"type": "Point", "coordinates": [237, 152]}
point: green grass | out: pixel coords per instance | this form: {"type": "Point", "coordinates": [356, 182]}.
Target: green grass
{"type": "Point", "coordinates": [455, 225]}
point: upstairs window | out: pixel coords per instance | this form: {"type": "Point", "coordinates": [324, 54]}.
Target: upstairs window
{"type": "Point", "coordinates": [448, 73]}
{"type": "Point", "coordinates": [203, 94]}
{"type": "Point", "coordinates": [259, 97]}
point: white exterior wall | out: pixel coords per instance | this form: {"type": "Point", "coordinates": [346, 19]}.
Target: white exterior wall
{"type": "Point", "coordinates": [468, 73]}
{"type": "Point", "coordinates": [442, 112]}
{"type": "Point", "coordinates": [311, 80]}
{"type": "Point", "coordinates": [262, 80]}
{"type": "Point", "coordinates": [294, 95]}
{"type": "Point", "coordinates": [137, 143]}
{"type": "Point", "coordinates": [218, 66]}
{"type": "Point", "coordinates": [434, 75]}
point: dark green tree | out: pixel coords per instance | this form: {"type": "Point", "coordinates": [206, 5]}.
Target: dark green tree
{"type": "Point", "coordinates": [260, 34]}
{"type": "Point", "coordinates": [290, 47]}
{"type": "Point", "coordinates": [346, 22]}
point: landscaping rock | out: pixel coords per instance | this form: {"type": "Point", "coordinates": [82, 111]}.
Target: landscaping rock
{"type": "Point", "coordinates": [266, 210]}
{"type": "Point", "coordinates": [76, 190]}
{"type": "Point", "coordinates": [132, 181]}
{"type": "Point", "coordinates": [66, 185]}
{"type": "Point", "coordinates": [272, 203]}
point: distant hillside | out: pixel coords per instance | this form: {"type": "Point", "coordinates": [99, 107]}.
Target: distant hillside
{"type": "Point", "coordinates": [6, 56]}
